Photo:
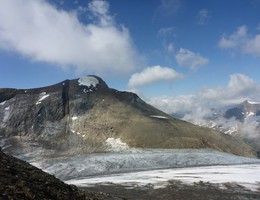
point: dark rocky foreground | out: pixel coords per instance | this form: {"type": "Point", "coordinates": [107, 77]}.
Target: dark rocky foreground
{"type": "Point", "coordinates": [176, 190]}
{"type": "Point", "coordinates": [20, 180]}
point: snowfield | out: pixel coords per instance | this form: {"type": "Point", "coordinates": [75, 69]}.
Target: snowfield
{"type": "Point", "coordinates": [244, 175]}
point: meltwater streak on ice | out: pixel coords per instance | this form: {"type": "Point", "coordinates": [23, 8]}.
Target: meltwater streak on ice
{"type": "Point", "coordinates": [78, 167]}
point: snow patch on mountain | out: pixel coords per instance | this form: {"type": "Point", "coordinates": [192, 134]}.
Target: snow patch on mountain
{"type": "Point", "coordinates": [42, 96]}
{"type": "Point", "coordinates": [6, 113]}
{"type": "Point", "coordinates": [159, 117]}
{"type": "Point", "coordinates": [253, 102]}
{"type": "Point", "coordinates": [7, 108]}
{"type": "Point", "coordinates": [250, 114]}
{"type": "Point", "coordinates": [74, 118]}
{"type": "Point", "coordinates": [88, 81]}
{"type": "Point", "coordinates": [116, 145]}
{"type": "Point", "coordinates": [2, 103]}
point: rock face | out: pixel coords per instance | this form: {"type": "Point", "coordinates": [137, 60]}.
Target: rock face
{"type": "Point", "coordinates": [84, 115]}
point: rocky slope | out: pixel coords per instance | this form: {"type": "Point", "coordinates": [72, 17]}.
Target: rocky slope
{"type": "Point", "coordinates": [84, 115]}
{"type": "Point", "coordinates": [20, 180]}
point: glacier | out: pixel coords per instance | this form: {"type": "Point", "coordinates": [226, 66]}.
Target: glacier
{"type": "Point", "coordinates": [100, 164]}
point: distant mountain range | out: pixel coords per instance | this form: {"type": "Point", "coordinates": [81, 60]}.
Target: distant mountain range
{"type": "Point", "coordinates": [243, 111]}
{"type": "Point", "coordinates": [241, 120]}
{"type": "Point", "coordinates": [84, 115]}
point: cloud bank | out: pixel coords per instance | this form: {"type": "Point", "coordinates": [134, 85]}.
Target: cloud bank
{"type": "Point", "coordinates": [187, 58]}
{"type": "Point", "coordinates": [41, 32]}
{"type": "Point", "coordinates": [196, 107]}
{"type": "Point", "coordinates": [201, 108]}
{"type": "Point", "coordinates": [153, 74]}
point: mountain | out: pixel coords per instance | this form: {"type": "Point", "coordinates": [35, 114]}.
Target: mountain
{"type": "Point", "coordinates": [84, 115]}
{"type": "Point", "coordinates": [248, 126]}
{"type": "Point", "coordinates": [243, 110]}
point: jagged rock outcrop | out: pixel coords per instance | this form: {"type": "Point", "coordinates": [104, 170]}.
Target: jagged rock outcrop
{"type": "Point", "coordinates": [79, 116]}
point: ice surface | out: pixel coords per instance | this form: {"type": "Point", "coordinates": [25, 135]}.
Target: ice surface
{"type": "Point", "coordinates": [82, 166]}
{"type": "Point", "coordinates": [88, 81]}
{"type": "Point", "coordinates": [245, 175]}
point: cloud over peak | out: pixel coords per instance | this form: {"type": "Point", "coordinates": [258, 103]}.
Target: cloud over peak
{"type": "Point", "coordinates": [42, 32]}
{"type": "Point", "coordinates": [153, 74]}
{"type": "Point", "coordinates": [239, 88]}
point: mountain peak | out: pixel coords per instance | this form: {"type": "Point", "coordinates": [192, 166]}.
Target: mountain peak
{"type": "Point", "coordinates": [252, 102]}
{"type": "Point", "coordinates": [89, 81]}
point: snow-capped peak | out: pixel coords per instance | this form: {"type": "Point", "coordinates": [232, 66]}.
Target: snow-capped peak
{"type": "Point", "coordinates": [253, 102]}
{"type": "Point", "coordinates": [88, 81]}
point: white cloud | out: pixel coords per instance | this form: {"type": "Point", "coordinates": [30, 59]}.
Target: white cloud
{"type": "Point", "coordinates": [170, 48]}
{"type": "Point", "coordinates": [166, 31]}
{"type": "Point", "coordinates": [189, 59]}
{"type": "Point", "coordinates": [203, 16]}
{"type": "Point", "coordinates": [258, 27]}
{"type": "Point", "coordinates": [242, 41]}
{"type": "Point", "coordinates": [100, 9]}
{"type": "Point", "coordinates": [166, 34]}
{"type": "Point", "coordinates": [235, 39]}
{"type": "Point", "coordinates": [201, 108]}
{"type": "Point", "coordinates": [153, 74]}
{"type": "Point", "coordinates": [42, 32]}
{"type": "Point", "coordinates": [252, 46]}
{"type": "Point", "coordinates": [168, 8]}
{"type": "Point", "coordinates": [198, 107]}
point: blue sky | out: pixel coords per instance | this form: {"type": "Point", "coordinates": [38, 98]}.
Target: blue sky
{"type": "Point", "coordinates": [165, 50]}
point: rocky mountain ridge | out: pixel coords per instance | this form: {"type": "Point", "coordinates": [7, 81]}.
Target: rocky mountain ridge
{"type": "Point", "coordinates": [84, 115]}
{"type": "Point", "coordinates": [243, 110]}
